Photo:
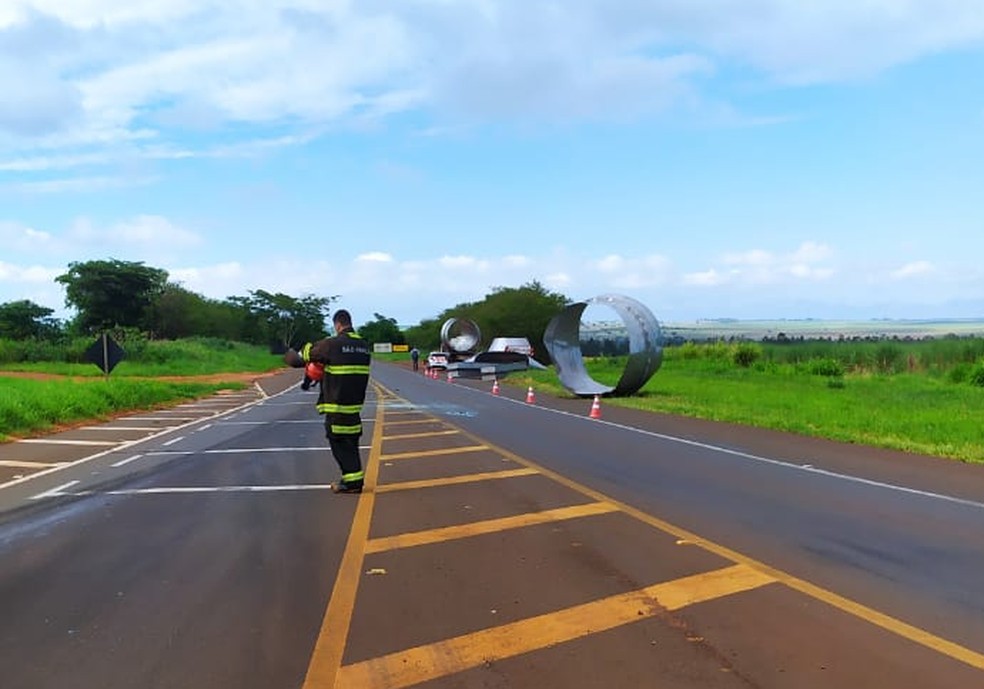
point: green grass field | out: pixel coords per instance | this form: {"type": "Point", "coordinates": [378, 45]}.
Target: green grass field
{"type": "Point", "coordinates": [29, 406]}
{"type": "Point", "coordinates": [915, 412]}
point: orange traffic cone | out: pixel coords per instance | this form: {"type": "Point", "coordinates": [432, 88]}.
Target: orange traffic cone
{"type": "Point", "coordinates": [595, 408]}
{"type": "Point", "coordinates": [530, 397]}
{"type": "Point", "coordinates": [495, 386]}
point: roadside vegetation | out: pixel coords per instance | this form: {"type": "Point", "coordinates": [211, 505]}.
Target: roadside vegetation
{"type": "Point", "coordinates": [29, 406]}
{"type": "Point", "coordinates": [64, 389]}
{"type": "Point", "coordinates": [925, 397]}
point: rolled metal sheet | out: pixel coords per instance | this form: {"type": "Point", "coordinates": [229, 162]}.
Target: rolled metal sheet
{"type": "Point", "coordinates": [563, 341]}
{"type": "Point", "coordinates": [460, 336]}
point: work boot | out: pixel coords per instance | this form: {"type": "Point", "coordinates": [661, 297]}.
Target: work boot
{"type": "Point", "coordinates": [342, 487]}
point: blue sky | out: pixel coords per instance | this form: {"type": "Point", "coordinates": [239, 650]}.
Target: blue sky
{"type": "Point", "coordinates": [759, 159]}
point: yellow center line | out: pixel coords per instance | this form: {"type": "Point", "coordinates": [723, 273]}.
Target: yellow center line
{"type": "Point", "coordinates": [432, 661]}
{"type": "Point", "coordinates": [434, 453]}
{"type": "Point", "coordinates": [427, 434]}
{"type": "Point", "coordinates": [326, 658]}
{"type": "Point", "coordinates": [454, 480]}
{"type": "Point", "coordinates": [448, 533]}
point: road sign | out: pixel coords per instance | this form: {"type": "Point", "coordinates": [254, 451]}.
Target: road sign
{"type": "Point", "coordinates": [105, 353]}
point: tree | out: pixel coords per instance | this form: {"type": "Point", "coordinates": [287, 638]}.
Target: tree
{"type": "Point", "coordinates": [111, 293]}
{"type": "Point", "coordinates": [521, 311]}
{"type": "Point", "coordinates": [382, 329]}
{"type": "Point", "coordinates": [287, 320]}
{"type": "Point", "coordinates": [20, 320]}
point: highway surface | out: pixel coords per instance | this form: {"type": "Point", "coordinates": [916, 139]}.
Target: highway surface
{"type": "Point", "coordinates": [498, 544]}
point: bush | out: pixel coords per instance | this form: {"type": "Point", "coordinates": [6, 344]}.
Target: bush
{"type": "Point", "coordinates": [831, 368]}
{"type": "Point", "coordinates": [746, 354]}
{"type": "Point", "coordinates": [977, 375]}
{"type": "Point", "coordinates": [689, 351]}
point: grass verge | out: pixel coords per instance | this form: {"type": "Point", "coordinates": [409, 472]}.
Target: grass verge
{"type": "Point", "coordinates": [29, 406]}
{"type": "Point", "coordinates": [908, 412]}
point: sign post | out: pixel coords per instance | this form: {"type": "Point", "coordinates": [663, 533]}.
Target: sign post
{"type": "Point", "coordinates": [105, 354]}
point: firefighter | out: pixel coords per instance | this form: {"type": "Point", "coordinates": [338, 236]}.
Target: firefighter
{"type": "Point", "coordinates": [345, 357]}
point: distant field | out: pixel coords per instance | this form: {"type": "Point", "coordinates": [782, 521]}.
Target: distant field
{"type": "Point", "coordinates": [758, 330]}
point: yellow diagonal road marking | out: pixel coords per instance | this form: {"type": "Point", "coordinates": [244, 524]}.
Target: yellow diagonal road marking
{"type": "Point", "coordinates": [455, 480]}
{"type": "Point", "coordinates": [427, 434]}
{"type": "Point", "coordinates": [410, 422]}
{"type": "Point", "coordinates": [435, 453]}
{"type": "Point", "coordinates": [423, 663]}
{"type": "Point", "coordinates": [448, 533]}
{"type": "Point", "coordinates": [852, 607]}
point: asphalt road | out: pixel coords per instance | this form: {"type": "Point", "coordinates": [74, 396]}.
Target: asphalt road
{"type": "Point", "coordinates": [498, 544]}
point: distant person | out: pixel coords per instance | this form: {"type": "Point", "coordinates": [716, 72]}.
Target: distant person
{"type": "Point", "coordinates": [343, 392]}
{"type": "Point", "coordinates": [415, 358]}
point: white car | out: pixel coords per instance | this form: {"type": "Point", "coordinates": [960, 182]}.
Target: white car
{"type": "Point", "coordinates": [437, 360]}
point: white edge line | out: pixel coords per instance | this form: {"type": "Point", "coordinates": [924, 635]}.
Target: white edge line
{"type": "Point", "coordinates": [806, 468]}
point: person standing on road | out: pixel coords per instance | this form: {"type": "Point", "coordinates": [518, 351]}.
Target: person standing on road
{"type": "Point", "coordinates": [415, 358]}
{"type": "Point", "coordinates": [343, 392]}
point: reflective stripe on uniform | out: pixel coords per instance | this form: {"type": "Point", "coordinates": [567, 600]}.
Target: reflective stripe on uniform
{"type": "Point", "coordinates": [332, 408]}
{"type": "Point", "coordinates": [306, 352]}
{"type": "Point", "coordinates": [345, 370]}
{"type": "Point", "coordinates": [339, 429]}
{"type": "Point", "coordinates": [353, 477]}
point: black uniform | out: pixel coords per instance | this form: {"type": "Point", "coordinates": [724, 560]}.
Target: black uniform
{"type": "Point", "coordinates": [343, 391]}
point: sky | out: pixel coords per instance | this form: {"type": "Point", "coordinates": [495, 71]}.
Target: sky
{"type": "Point", "coordinates": [748, 159]}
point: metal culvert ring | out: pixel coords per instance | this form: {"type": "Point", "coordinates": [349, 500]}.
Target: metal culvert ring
{"type": "Point", "coordinates": [460, 336]}
{"type": "Point", "coordinates": [563, 341]}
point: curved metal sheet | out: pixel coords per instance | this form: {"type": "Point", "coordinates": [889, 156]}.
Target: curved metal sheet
{"type": "Point", "coordinates": [563, 341]}
{"type": "Point", "coordinates": [460, 336]}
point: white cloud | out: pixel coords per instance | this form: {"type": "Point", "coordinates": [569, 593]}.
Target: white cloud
{"type": "Point", "coordinates": [91, 83]}
{"type": "Point", "coordinates": [761, 267]}
{"type": "Point", "coordinates": [914, 269]}
{"type": "Point", "coordinates": [375, 257]}
{"type": "Point", "coordinates": [151, 232]}
{"type": "Point", "coordinates": [28, 274]}
{"type": "Point", "coordinates": [76, 185]}
{"type": "Point", "coordinates": [707, 278]}
{"type": "Point", "coordinates": [21, 238]}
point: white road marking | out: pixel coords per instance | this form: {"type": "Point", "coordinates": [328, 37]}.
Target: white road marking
{"type": "Point", "coordinates": [126, 461]}
{"type": "Point", "coordinates": [56, 441]}
{"type": "Point", "coordinates": [159, 418]}
{"type": "Point", "coordinates": [120, 428]}
{"type": "Point", "coordinates": [264, 423]}
{"type": "Point", "coordinates": [245, 450]}
{"type": "Point", "coordinates": [54, 491]}
{"type": "Point", "coordinates": [747, 455]}
{"type": "Point", "coordinates": [28, 465]}
{"type": "Point", "coordinates": [205, 427]}
{"type": "Point", "coordinates": [166, 490]}
{"type": "Point", "coordinates": [173, 441]}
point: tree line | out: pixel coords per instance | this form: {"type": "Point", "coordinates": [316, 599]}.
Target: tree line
{"type": "Point", "coordinates": [114, 295]}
